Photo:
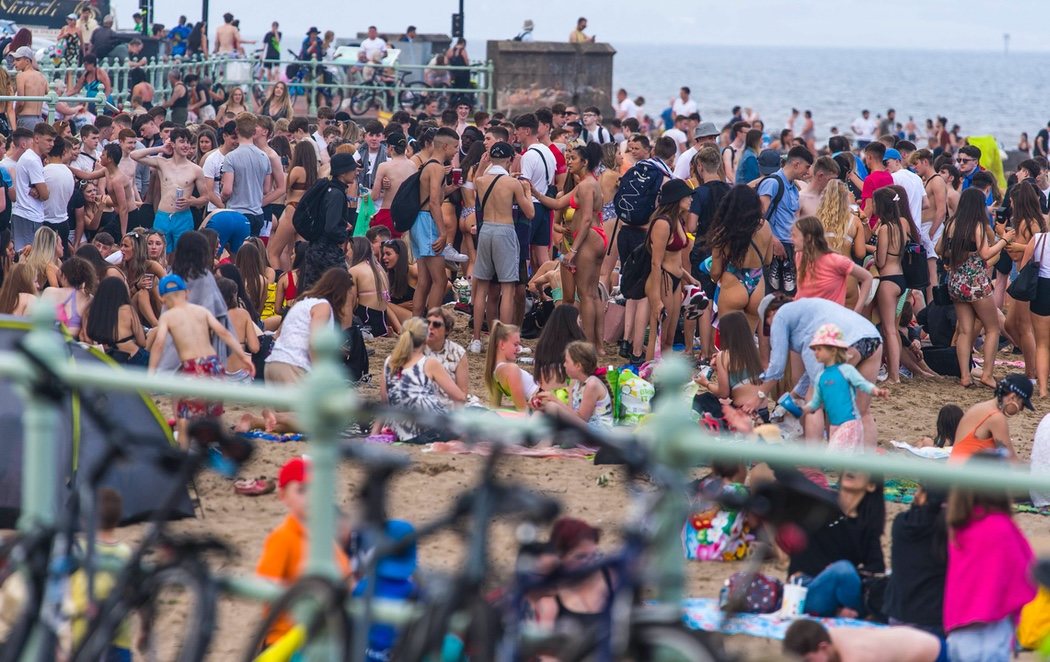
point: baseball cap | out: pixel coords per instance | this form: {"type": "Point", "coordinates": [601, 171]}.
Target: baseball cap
{"type": "Point", "coordinates": [1020, 386]}
{"type": "Point", "coordinates": [891, 153]}
{"type": "Point", "coordinates": [170, 284]}
{"type": "Point", "coordinates": [705, 130]}
{"type": "Point", "coordinates": [501, 150]}
{"type": "Point", "coordinates": [768, 162]}
{"type": "Point", "coordinates": [294, 470]}
{"type": "Point", "coordinates": [24, 52]}
{"type": "Point", "coordinates": [402, 564]}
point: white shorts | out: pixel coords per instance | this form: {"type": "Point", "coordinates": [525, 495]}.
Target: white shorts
{"type": "Point", "coordinates": [930, 243]}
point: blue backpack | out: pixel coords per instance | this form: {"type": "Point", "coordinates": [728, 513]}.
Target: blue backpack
{"type": "Point", "coordinates": [635, 198]}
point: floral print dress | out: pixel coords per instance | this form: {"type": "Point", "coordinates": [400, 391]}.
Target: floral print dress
{"type": "Point", "coordinates": [712, 533]}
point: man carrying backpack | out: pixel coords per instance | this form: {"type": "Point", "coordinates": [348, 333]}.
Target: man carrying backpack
{"type": "Point", "coordinates": [427, 234]}
{"type": "Point", "coordinates": [636, 196]}
{"type": "Point", "coordinates": [779, 197]}
{"type": "Point", "coordinates": [323, 218]}
{"type": "Point", "coordinates": [593, 131]}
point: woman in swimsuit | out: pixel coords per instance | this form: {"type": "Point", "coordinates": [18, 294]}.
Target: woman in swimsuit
{"type": "Point", "coordinates": [278, 104]}
{"type": "Point", "coordinates": [468, 212]}
{"type": "Point", "coordinates": [668, 248]}
{"type": "Point", "coordinates": [892, 234]}
{"type": "Point", "coordinates": [258, 283]}
{"type": "Point", "coordinates": [984, 427]}
{"type": "Point", "coordinates": [72, 299]}
{"type": "Point", "coordinates": [112, 323]}
{"type": "Point", "coordinates": [234, 105]}
{"type": "Point", "coordinates": [609, 181]}
{"type": "Point", "coordinates": [966, 247]}
{"type": "Point", "coordinates": [287, 288]}
{"type": "Point", "coordinates": [741, 244]}
{"type": "Point", "coordinates": [402, 277]}
{"type": "Point", "coordinates": [301, 176]}
{"type": "Point", "coordinates": [243, 328]}
{"type": "Point", "coordinates": [1028, 220]}
{"type": "Point", "coordinates": [738, 367]}
{"type": "Point", "coordinates": [143, 275]}
{"type": "Point", "coordinates": [372, 291]}
{"type": "Point", "coordinates": [503, 376]}
{"type": "Point", "coordinates": [582, 265]}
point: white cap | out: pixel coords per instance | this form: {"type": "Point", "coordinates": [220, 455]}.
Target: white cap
{"type": "Point", "coordinates": [25, 52]}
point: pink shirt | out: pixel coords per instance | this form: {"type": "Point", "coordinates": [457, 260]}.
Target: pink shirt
{"type": "Point", "coordinates": [825, 279]}
{"type": "Point", "coordinates": [873, 182]}
{"type": "Point", "coordinates": [989, 572]}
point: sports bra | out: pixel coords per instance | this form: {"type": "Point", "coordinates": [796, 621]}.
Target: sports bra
{"type": "Point", "coordinates": [289, 290]}
{"type": "Point", "coordinates": [71, 319]}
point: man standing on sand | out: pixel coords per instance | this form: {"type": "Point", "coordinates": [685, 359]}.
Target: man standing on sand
{"type": "Point", "coordinates": [624, 106]}
{"type": "Point", "coordinates": [781, 216]}
{"type": "Point", "coordinates": [278, 180]}
{"type": "Point", "coordinates": [731, 153]}
{"type": "Point", "coordinates": [427, 234]}
{"type": "Point", "coordinates": [864, 129]}
{"type": "Point", "coordinates": [812, 642]}
{"type": "Point", "coordinates": [246, 175]}
{"type": "Point", "coordinates": [593, 131]}
{"type": "Point", "coordinates": [391, 174]}
{"type": "Point", "coordinates": [537, 166]}
{"type": "Point", "coordinates": [878, 177]}
{"type": "Point", "coordinates": [28, 83]}
{"type": "Point", "coordinates": [705, 134]}
{"type": "Point", "coordinates": [497, 260]}
{"type": "Point", "coordinates": [935, 213]}
{"type": "Point", "coordinates": [677, 132]}
{"type": "Point", "coordinates": [31, 190]}
{"type": "Point", "coordinates": [213, 164]}
{"type": "Point", "coordinates": [119, 193]}
{"type": "Point", "coordinates": [909, 181]}
{"type": "Point", "coordinates": [178, 176]}
{"type": "Point", "coordinates": [682, 104]}
{"type": "Point", "coordinates": [227, 37]}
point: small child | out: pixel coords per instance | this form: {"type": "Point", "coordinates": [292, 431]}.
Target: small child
{"type": "Point", "coordinates": [283, 556]}
{"type": "Point", "coordinates": [589, 397]}
{"type": "Point", "coordinates": [835, 390]}
{"type": "Point", "coordinates": [712, 532]}
{"type": "Point", "coordinates": [107, 545]}
{"type": "Point", "coordinates": [190, 327]}
{"type": "Point", "coordinates": [393, 582]}
{"type": "Point", "coordinates": [947, 423]}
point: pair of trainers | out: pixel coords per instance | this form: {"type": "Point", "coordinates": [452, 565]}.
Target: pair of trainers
{"type": "Point", "coordinates": [452, 255]}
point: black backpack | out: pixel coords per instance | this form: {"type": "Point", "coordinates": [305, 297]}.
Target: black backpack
{"type": "Point", "coordinates": [774, 202]}
{"type": "Point", "coordinates": [639, 189]}
{"type": "Point", "coordinates": [405, 206]}
{"type": "Point", "coordinates": [308, 220]}
{"type": "Point", "coordinates": [355, 353]}
{"type": "Point", "coordinates": [915, 266]}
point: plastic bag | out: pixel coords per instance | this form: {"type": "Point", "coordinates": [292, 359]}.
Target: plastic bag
{"type": "Point", "coordinates": [366, 209]}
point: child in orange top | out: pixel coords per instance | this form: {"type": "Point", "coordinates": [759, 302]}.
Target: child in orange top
{"type": "Point", "coordinates": [284, 551]}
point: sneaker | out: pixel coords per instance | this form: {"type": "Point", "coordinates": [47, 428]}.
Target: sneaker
{"type": "Point", "coordinates": [694, 302]}
{"type": "Point", "coordinates": [450, 254]}
{"type": "Point", "coordinates": [883, 375]}
{"type": "Point", "coordinates": [475, 346]}
{"type": "Point", "coordinates": [773, 275]}
{"type": "Point", "coordinates": [905, 373]}
{"type": "Point", "coordinates": [625, 349]}
{"type": "Point", "coordinates": [789, 281]}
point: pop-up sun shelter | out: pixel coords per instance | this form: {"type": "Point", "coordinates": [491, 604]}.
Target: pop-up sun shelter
{"type": "Point", "coordinates": [140, 483]}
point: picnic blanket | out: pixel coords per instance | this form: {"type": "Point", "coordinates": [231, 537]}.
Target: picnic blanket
{"type": "Point", "coordinates": [263, 435]}
{"type": "Point", "coordinates": [901, 490]}
{"type": "Point", "coordinates": [704, 614]}
{"type": "Point", "coordinates": [459, 448]}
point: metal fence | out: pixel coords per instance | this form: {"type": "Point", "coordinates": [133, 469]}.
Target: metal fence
{"type": "Point", "coordinates": [356, 87]}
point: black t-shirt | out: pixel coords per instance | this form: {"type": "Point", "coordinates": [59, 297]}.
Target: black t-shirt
{"type": "Point", "coordinates": [843, 539]}
{"type": "Point", "coordinates": [76, 201]}
{"type": "Point", "coordinates": [706, 198]}
{"type": "Point", "coordinates": [219, 90]}
{"type": "Point", "coordinates": [1040, 146]}
{"type": "Point", "coordinates": [919, 559]}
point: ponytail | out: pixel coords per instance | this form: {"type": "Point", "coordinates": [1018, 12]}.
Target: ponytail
{"type": "Point", "coordinates": [413, 335]}
{"type": "Point", "coordinates": [498, 334]}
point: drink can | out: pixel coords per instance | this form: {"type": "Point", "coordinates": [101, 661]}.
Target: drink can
{"type": "Point", "coordinates": [178, 193]}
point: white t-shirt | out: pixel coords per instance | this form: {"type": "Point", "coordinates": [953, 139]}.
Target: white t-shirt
{"type": "Point", "coordinates": [213, 170]}
{"type": "Point", "coordinates": [85, 162]}
{"type": "Point", "coordinates": [29, 171]}
{"type": "Point", "coordinates": [627, 108]}
{"type": "Point", "coordinates": [293, 345]}
{"type": "Point", "coordinates": [865, 128]}
{"type": "Point", "coordinates": [532, 162]}
{"type": "Point", "coordinates": [687, 108]}
{"type": "Point", "coordinates": [373, 46]}
{"type": "Point", "coordinates": [912, 185]}
{"type": "Point", "coordinates": [681, 164]}
{"type": "Point", "coordinates": [60, 183]}
{"type": "Point", "coordinates": [679, 137]}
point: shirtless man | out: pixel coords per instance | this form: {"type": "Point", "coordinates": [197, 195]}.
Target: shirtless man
{"type": "Point", "coordinates": [119, 194]}
{"type": "Point", "coordinates": [191, 327]}
{"type": "Point", "coordinates": [934, 213]}
{"type": "Point", "coordinates": [498, 251]}
{"type": "Point", "coordinates": [822, 171]}
{"type": "Point", "coordinates": [28, 83]}
{"type": "Point", "coordinates": [391, 174]}
{"type": "Point", "coordinates": [227, 37]}
{"type": "Point", "coordinates": [274, 198]}
{"type": "Point", "coordinates": [812, 642]}
{"type": "Point", "coordinates": [178, 175]}
{"type": "Point", "coordinates": [427, 235]}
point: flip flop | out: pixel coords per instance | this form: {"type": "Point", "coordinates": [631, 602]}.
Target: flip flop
{"type": "Point", "coordinates": [254, 487]}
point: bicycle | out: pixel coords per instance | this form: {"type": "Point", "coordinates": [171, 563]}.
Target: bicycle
{"type": "Point", "coordinates": [51, 554]}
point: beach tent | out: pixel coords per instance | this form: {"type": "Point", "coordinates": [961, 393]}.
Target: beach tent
{"type": "Point", "coordinates": [80, 443]}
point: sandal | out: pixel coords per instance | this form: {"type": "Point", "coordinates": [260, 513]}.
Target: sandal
{"type": "Point", "coordinates": [254, 486]}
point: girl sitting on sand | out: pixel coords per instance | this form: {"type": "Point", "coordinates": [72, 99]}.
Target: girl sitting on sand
{"type": "Point", "coordinates": [503, 376]}
{"type": "Point", "coordinates": [712, 532]}
{"type": "Point", "coordinates": [738, 370]}
{"type": "Point", "coordinates": [835, 390]}
{"type": "Point", "coordinates": [589, 396]}
{"type": "Point", "coordinates": [947, 423]}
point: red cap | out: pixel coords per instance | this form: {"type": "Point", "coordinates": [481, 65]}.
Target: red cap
{"type": "Point", "coordinates": [294, 470]}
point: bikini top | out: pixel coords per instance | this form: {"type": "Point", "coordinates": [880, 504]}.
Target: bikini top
{"type": "Point", "coordinates": [72, 318]}
{"type": "Point", "coordinates": [676, 242]}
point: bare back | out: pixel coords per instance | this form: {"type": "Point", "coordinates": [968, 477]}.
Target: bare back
{"type": "Point", "coordinates": [397, 169]}
{"type": "Point", "coordinates": [903, 644]}
{"type": "Point", "coordinates": [188, 325]}
{"type": "Point", "coordinates": [505, 192]}
{"type": "Point", "coordinates": [30, 83]}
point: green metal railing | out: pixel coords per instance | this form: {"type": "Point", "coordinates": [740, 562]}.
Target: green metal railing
{"type": "Point", "coordinates": [326, 404]}
{"type": "Point", "coordinates": [54, 98]}
{"type": "Point", "coordinates": [250, 73]}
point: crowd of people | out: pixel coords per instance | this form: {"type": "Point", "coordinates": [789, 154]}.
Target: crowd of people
{"type": "Point", "coordinates": [217, 243]}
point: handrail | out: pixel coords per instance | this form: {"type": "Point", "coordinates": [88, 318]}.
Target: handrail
{"type": "Point", "coordinates": [53, 98]}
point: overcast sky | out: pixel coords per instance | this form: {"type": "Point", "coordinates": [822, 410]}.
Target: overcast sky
{"type": "Point", "coordinates": [915, 24]}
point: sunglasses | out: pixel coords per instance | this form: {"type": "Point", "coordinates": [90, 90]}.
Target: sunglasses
{"type": "Point", "coordinates": [965, 160]}
{"type": "Point", "coordinates": [435, 324]}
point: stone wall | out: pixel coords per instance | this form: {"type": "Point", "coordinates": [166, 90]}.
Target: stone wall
{"type": "Point", "coordinates": [528, 75]}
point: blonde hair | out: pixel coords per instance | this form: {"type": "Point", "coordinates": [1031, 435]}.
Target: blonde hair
{"type": "Point", "coordinates": [498, 334]}
{"type": "Point", "coordinates": [835, 215]}
{"type": "Point", "coordinates": [43, 253]}
{"type": "Point", "coordinates": [413, 336]}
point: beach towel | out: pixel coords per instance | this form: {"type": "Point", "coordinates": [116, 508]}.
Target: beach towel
{"type": "Point", "coordinates": [925, 452]}
{"type": "Point", "coordinates": [263, 435]}
{"type": "Point", "coordinates": [704, 614]}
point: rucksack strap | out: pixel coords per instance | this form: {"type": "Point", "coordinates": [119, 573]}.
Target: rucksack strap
{"type": "Point", "coordinates": [774, 202]}
{"type": "Point", "coordinates": [485, 198]}
{"type": "Point", "coordinates": [546, 171]}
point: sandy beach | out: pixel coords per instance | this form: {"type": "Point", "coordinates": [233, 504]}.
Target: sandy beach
{"type": "Point", "coordinates": [429, 486]}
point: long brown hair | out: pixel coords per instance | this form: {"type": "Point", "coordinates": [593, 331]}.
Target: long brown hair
{"type": "Point", "coordinates": [738, 340]}
{"type": "Point", "coordinates": [814, 244]}
{"type": "Point", "coordinates": [334, 287]}
{"type": "Point", "coordinates": [247, 261]}
{"type": "Point", "coordinates": [18, 281]}
{"type": "Point", "coordinates": [960, 232]}
{"type": "Point", "coordinates": [964, 502]}
{"type": "Point", "coordinates": [305, 156]}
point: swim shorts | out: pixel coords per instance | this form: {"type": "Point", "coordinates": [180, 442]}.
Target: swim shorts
{"type": "Point", "coordinates": [173, 225]}
{"type": "Point", "coordinates": [383, 218]}
{"type": "Point", "coordinates": [497, 257]}
{"type": "Point", "coordinates": [424, 233]}
{"type": "Point", "coordinates": [205, 366]}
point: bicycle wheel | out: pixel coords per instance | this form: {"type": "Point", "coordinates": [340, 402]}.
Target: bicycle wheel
{"type": "Point", "coordinates": [176, 603]}
{"type": "Point", "coordinates": [413, 95]}
{"type": "Point", "coordinates": [361, 101]}
{"type": "Point", "coordinates": [671, 643]}
{"type": "Point", "coordinates": [327, 621]}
